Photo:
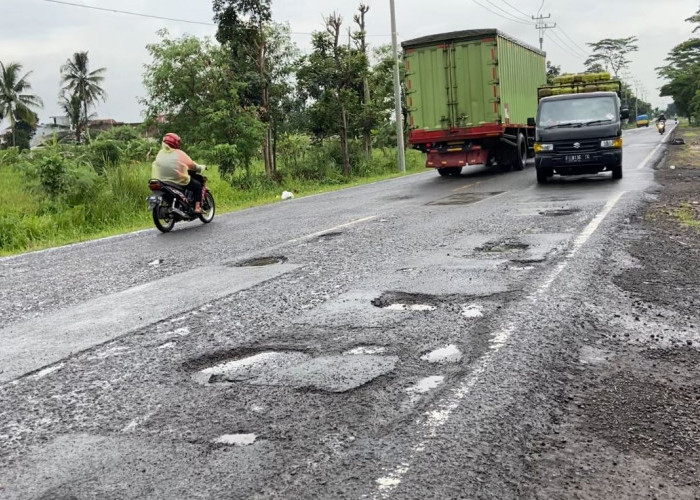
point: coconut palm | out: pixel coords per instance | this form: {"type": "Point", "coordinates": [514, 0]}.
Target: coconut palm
{"type": "Point", "coordinates": [72, 107]}
{"type": "Point", "coordinates": [78, 80]}
{"type": "Point", "coordinates": [15, 102]}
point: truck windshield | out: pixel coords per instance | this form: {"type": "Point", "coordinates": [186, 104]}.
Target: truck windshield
{"type": "Point", "coordinates": [577, 112]}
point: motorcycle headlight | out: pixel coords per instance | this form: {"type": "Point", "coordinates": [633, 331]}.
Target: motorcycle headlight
{"type": "Point", "coordinates": [541, 147]}
{"type": "Point", "coordinates": [611, 143]}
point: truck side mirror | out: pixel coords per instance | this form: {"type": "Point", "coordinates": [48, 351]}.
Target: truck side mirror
{"type": "Point", "coordinates": [530, 122]}
{"type": "Point", "coordinates": [624, 114]}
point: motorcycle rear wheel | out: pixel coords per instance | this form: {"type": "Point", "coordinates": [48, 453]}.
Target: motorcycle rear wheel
{"type": "Point", "coordinates": [164, 225]}
{"type": "Point", "coordinates": [208, 209]}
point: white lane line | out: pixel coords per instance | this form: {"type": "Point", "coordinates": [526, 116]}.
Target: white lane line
{"type": "Point", "coordinates": [442, 411]}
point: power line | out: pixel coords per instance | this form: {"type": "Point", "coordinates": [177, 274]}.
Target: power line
{"type": "Point", "coordinates": [503, 10]}
{"type": "Point", "coordinates": [568, 45]}
{"type": "Point", "coordinates": [564, 48]}
{"type": "Point", "coordinates": [572, 40]}
{"type": "Point", "coordinates": [542, 26]}
{"type": "Point", "coordinates": [501, 15]}
{"type": "Point", "coordinates": [515, 8]}
{"type": "Point", "coordinates": [177, 20]}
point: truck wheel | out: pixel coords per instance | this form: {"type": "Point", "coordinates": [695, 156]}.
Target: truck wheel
{"type": "Point", "coordinates": [520, 153]}
{"type": "Point", "coordinates": [444, 172]}
{"type": "Point", "coordinates": [617, 172]}
{"type": "Point", "coordinates": [542, 176]}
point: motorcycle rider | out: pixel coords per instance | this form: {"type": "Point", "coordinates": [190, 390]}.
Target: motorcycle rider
{"type": "Point", "coordinates": [172, 165]}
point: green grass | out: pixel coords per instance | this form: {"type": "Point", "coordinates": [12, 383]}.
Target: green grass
{"type": "Point", "coordinates": [96, 206]}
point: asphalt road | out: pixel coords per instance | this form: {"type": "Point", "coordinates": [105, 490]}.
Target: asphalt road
{"type": "Point", "coordinates": [400, 343]}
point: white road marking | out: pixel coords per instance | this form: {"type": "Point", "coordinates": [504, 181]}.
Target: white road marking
{"type": "Point", "coordinates": [442, 411]}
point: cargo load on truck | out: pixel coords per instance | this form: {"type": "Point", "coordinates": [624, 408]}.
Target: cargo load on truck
{"type": "Point", "coordinates": [580, 83]}
{"type": "Point", "coordinates": [469, 95]}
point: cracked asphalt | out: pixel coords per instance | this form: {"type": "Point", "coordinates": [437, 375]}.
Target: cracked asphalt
{"type": "Point", "coordinates": [423, 337]}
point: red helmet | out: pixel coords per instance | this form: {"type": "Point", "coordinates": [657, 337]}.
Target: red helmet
{"type": "Point", "coordinates": [172, 140]}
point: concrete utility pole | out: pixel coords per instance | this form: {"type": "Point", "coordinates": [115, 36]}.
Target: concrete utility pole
{"type": "Point", "coordinates": [542, 26]}
{"type": "Point", "coordinates": [397, 92]}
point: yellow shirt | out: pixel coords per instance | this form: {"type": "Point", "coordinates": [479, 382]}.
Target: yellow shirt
{"type": "Point", "coordinates": [171, 165]}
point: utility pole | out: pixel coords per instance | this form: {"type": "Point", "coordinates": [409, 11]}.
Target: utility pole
{"type": "Point", "coordinates": [397, 92]}
{"type": "Point", "coordinates": [542, 26]}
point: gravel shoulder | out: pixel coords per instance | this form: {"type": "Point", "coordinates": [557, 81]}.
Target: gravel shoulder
{"type": "Point", "coordinates": [625, 423]}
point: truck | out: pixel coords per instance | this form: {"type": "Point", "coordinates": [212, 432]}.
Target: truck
{"type": "Point", "coordinates": [578, 126]}
{"type": "Point", "coordinates": [468, 96]}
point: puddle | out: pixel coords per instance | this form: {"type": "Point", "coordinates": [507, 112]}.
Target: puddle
{"type": "Point", "coordinates": [262, 261]}
{"type": "Point", "coordinates": [426, 385]}
{"type": "Point", "coordinates": [368, 349]}
{"type": "Point", "coordinates": [180, 332]}
{"type": "Point", "coordinates": [503, 246]}
{"type": "Point", "coordinates": [472, 311]}
{"type": "Point", "coordinates": [236, 439]}
{"type": "Point", "coordinates": [401, 301]}
{"type": "Point", "coordinates": [560, 212]}
{"type": "Point", "coordinates": [338, 373]}
{"type": "Point", "coordinates": [155, 263]}
{"type": "Point", "coordinates": [448, 354]}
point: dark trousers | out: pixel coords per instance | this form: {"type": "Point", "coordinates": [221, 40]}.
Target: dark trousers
{"type": "Point", "coordinates": [195, 186]}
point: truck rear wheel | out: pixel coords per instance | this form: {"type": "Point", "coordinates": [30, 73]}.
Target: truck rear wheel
{"type": "Point", "coordinates": [444, 172]}
{"type": "Point", "coordinates": [520, 154]}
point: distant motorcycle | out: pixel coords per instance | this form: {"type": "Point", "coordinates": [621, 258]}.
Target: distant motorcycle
{"type": "Point", "coordinates": [661, 127]}
{"type": "Point", "coordinates": [171, 203]}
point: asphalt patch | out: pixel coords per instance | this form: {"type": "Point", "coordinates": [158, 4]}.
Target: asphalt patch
{"type": "Point", "coordinates": [503, 246]}
{"type": "Point", "coordinates": [464, 198]}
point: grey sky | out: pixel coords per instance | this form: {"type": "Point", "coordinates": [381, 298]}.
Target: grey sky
{"type": "Point", "coordinates": [42, 35]}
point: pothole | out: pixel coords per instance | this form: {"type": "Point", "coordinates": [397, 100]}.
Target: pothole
{"type": "Point", "coordinates": [426, 385]}
{"type": "Point", "coordinates": [262, 261]}
{"type": "Point", "coordinates": [297, 370]}
{"type": "Point", "coordinates": [466, 198]}
{"type": "Point", "coordinates": [329, 236]}
{"type": "Point", "coordinates": [472, 311]}
{"type": "Point", "coordinates": [365, 349]}
{"type": "Point", "coordinates": [402, 301]}
{"type": "Point", "coordinates": [503, 246]}
{"type": "Point", "coordinates": [560, 212]}
{"type": "Point", "coordinates": [447, 354]}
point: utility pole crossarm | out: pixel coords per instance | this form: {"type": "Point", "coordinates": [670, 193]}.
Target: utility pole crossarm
{"type": "Point", "coordinates": [543, 26]}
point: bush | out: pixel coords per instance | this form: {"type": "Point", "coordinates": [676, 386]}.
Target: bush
{"type": "Point", "coordinates": [121, 134]}
{"type": "Point", "coordinates": [104, 154]}
{"type": "Point", "coordinates": [53, 172]}
{"type": "Point", "coordinates": [226, 156]}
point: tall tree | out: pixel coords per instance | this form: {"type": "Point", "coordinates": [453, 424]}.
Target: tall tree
{"type": "Point", "coordinates": [683, 73]}
{"type": "Point", "coordinates": [72, 107]}
{"type": "Point", "coordinates": [77, 79]}
{"type": "Point", "coordinates": [15, 101]}
{"type": "Point", "coordinates": [552, 72]}
{"type": "Point", "coordinates": [243, 29]}
{"type": "Point", "coordinates": [695, 18]}
{"type": "Point", "coordinates": [368, 121]}
{"type": "Point", "coordinates": [612, 53]}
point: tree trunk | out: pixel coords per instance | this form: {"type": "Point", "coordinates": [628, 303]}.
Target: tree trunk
{"type": "Point", "coordinates": [265, 104]}
{"type": "Point", "coordinates": [344, 140]}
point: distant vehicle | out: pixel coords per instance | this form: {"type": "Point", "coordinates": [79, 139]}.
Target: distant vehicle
{"type": "Point", "coordinates": [170, 203]}
{"type": "Point", "coordinates": [468, 95]}
{"type": "Point", "coordinates": [661, 126]}
{"type": "Point", "coordinates": [579, 127]}
{"type": "Point", "coordinates": [642, 121]}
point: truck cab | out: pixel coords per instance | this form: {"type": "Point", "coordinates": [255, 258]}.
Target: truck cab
{"type": "Point", "coordinates": [579, 133]}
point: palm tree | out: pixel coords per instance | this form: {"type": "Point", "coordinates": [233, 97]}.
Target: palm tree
{"type": "Point", "coordinates": [79, 81]}
{"type": "Point", "coordinates": [15, 102]}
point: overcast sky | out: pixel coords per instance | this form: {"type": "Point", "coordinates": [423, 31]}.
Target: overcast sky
{"type": "Point", "coordinates": [41, 34]}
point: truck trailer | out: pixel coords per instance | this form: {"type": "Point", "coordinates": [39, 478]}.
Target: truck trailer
{"type": "Point", "coordinates": [469, 95]}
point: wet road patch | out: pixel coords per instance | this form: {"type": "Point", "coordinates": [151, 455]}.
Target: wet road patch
{"type": "Point", "coordinates": [236, 439]}
{"type": "Point", "coordinates": [262, 261]}
{"type": "Point", "coordinates": [297, 370]}
{"type": "Point", "coordinates": [464, 198]}
{"type": "Point", "coordinates": [447, 354]}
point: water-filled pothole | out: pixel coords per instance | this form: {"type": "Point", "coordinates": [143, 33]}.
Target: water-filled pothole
{"type": "Point", "coordinates": [503, 246]}
{"type": "Point", "coordinates": [560, 212]}
{"type": "Point", "coordinates": [402, 301]}
{"type": "Point", "coordinates": [262, 261]}
{"type": "Point", "coordinates": [447, 354]}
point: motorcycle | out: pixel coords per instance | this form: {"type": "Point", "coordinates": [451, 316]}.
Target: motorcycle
{"type": "Point", "coordinates": [171, 203]}
{"type": "Point", "coordinates": [661, 127]}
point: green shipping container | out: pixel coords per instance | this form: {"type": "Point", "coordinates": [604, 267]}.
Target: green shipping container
{"type": "Point", "coordinates": [471, 78]}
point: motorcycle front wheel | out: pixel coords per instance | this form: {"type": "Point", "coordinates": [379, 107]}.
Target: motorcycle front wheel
{"type": "Point", "coordinates": [208, 209]}
{"type": "Point", "coordinates": [162, 219]}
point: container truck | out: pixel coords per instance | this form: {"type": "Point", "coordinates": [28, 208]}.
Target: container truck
{"type": "Point", "coordinates": [468, 97]}
{"type": "Point", "coordinates": [579, 127]}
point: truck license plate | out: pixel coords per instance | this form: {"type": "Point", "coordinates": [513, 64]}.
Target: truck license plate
{"type": "Point", "coordinates": [576, 158]}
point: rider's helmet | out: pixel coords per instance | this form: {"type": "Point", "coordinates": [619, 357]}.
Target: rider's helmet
{"type": "Point", "coordinates": [172, 140]}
